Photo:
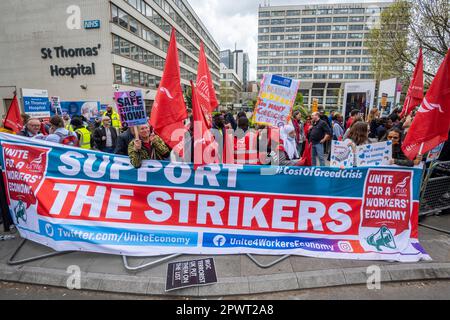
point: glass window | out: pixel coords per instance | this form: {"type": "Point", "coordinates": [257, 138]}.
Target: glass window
{"type": "Point", "coordinates": [264, 22]}
{"type": "Point", "coordinates": [323, 44]}
{"type": "Point", "coordinates": [340, 28]}
{"type": "Point", "coordinates": [340, 19]}
{"type": "Point", "coordinates": [305, 68]}
{"type": "Point", "coordinates": [309, 12]}
{"type": "Point", "coordinates": [307, 44]}
{"type": "Point", "coordinates": [277, 30]}
{"type": "Point", "coordinates": [336, 76]}
{"type": "Point", "coordinates": [148, 11]}
{"type": "Point", "coordinates": [132, 3]}
{"type": "Point", "coordinates": [117, 74]}
{"type": "Point", "coordinates": [116, 44]}
{"type": "Point", "coordinates": [324, 20]}
{"type": "Point", "coordinates": [305, 60]}
{"type": "Point", "coordinates": [123, 19]}
{"type": "Point", "coordinates": [306, 52]}
{"type": "Point", "coordinates": [292, 45]}
{"type": "Point", "coordinates": [293, 13]}
{"type": "Point", "coordinates": [124, 48]}
{"type": "Point", "coordinates": [293, 21]}
{"type": "Point", "coordinates": [340, 11]}
{"type": "Point", "coordinates": [126, 76]}
{"type": "Point", "coordinates": [367, 76]}
{"type": "Point", "coordinates": [133, 52]}
{"type": "Point", "coordinates": [114, 14]}
{"type": "Point", "coordinates": [353, 60]}
{"type": "Point", "coordinates": [323, 36]}
{"type": "Point", "coordinates": [321, 60]}
{"type": "Point", "coordinates": [308, 28]}
{"type": "Point", "coordinates": [323, 28]}
{"type": "Point", "coordinates": [320, 76]}
{"type": "Point", "coordinates": [264, 14]}
{"type": "Point", "coordinates": [292, 29]}
{"type": "Point", "coordinates": [356, 19]}
{"type": "Point", "coordinates": [339, 36]}
{"type": "Point", "coordinates": [353, 52]}
{"type": "Point", "coordinates": [322, 52]}
{"type": "Point", "coordinates": [133, 25]}
{"type": "Point", "coordinates": [356, 27]}
{"type": "Point", "coordinates": [135, 80]}
{"type": "Point", "coordinates": [351, 76]}
{"type": "Point", "coordinates": [355, 35]}
{"type": "Point", "coordinates": [277, 21]}
{"type": "Point", "coordinates": [337, 60]}
{"type": "Point", "coordinates": [338, 44]}
{"type": "Point", "coordinates": [307, 36]}
{"type": "Point", "coordinates": [305, 76]}
{"type": "Point", "coordinates": [308, 20]}
{"type": "Point", "coordinates": [337, 52]}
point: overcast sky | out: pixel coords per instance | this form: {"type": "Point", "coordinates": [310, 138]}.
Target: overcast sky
{"type": "Point", "coordinates": [236, 22]}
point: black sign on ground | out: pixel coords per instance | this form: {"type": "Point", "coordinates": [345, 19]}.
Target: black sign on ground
{"type": "Point", "coordinates": [185, 274]}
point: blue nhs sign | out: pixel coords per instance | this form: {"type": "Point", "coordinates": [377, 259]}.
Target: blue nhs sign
{"type": "Point", "coordinates": [92, 24]}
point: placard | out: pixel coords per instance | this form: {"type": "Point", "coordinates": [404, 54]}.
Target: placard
{"type": "Point", "coordinates": [434, 154]}
{"type": "Point", "coordinates": [36, 103]}
{"type": "Point", "coordinates": [275, 101]}
{"type": "Point", "coordinates": [193, 273]}
{"type": "Point", "coordinates": [131, 108]}
{"type": "Point", "coordinates": [376, 154]}
{"type": "Point", "coordinates": [342, 154]}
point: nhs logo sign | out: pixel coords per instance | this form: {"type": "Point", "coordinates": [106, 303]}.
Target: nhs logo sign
{"type": "Point", "coordinates": [92, 24]}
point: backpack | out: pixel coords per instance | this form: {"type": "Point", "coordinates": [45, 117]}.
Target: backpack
{"type": "Point", "coordinates": [69, 140]}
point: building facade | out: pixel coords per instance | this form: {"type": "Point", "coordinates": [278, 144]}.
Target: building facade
{"type": "Point", "coordinates": [84, 50]}
{"type": "Point", "coordinates": [230, 87]}
{"type": "Point", "coordinates": [239, 61]}
{"type": "Point", "coordinates": [322, 45]}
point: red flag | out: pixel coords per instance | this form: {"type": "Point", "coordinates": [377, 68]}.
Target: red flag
{"type": "Point", "coordinates": [205, 146]}
{"type": "Point", "coordinates": [205, 88]}
{"type": "Point", "coordinates": [13, 120]}
{"type": "Point", "coordinates": [169, 110]}
{"type": "Point", "coordinates": [415, 91]}
{"type": "Point", "coordinates": [306, 159]}
{"type": "Point", "coordinates": [432, 122]}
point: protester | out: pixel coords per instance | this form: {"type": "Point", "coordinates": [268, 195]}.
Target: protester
{"type": "Point", "coordinates": [318, 135]}
{"type": "Point", "coordinates": [289, 144]}
{"type": "Point", "coordinates": [352, 118]}
{"type": "Point", "coordinates": [229, 119]}
{"type": "Point", "coordinates": [105, 137]}
{"type": "Point", "coordinates": [67, 121]}
{"type": "Point", "coordinates": [32, 128]}
{"type": "Point", "coordinates": [338, 127]}
{"type": "Point", "coordinates": [385, 125]}
{"type": "Point", "coordinates": [347, 132]}
{"type": "Point", "coordinates": [114, 116]}
{"type": "Point", "coordinates": [58, 134]}
{"type": "Point", "coordinates": [83, 134]}
{"type": "Point", "coordinates": [307, 126]}
{"type": "Point", "coordinates": [299, 133]}
{"type": "Point", "coordinates": [373, 122]}
{"type": "Point", "coordinates": [148, 146]}
{"type": "Point", "coordinates": [123, 141]}
{"type": "Point", "coordinates": [324, 118]}
{"type": "Point", "coordinates": [398, 157]}
{"type": "Point", "coordinates": [359, 133]}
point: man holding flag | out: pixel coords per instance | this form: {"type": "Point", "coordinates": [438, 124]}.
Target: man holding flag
{"type": "Point", "coordinates": [432, 122]}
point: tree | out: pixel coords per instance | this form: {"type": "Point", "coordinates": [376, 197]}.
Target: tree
{"type": "Point", "coordinates": [404, 27]}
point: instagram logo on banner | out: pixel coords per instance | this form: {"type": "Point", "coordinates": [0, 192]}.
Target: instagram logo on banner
{"type": "Point", "coordinates": [345, 246]}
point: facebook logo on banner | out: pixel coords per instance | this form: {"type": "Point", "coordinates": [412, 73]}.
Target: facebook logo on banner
{"type": "Point", "coordinates": [281, 81]}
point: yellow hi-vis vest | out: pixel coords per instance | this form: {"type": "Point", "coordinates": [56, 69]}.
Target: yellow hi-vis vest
{"type": "Point", "coordinates": [85, 140]}
{"type": "Point", "coordinates": [69, 127]}
{"type": "Point", "coordinates": [115, 119]}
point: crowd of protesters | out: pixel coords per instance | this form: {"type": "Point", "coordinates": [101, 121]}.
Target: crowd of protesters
{"type": "Point", "coordinates": [304, 137]}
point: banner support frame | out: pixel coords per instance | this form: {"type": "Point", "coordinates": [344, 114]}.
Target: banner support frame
{"type": "Point", "coordinates": [11, 262]}
{"type": "Point", "coordinates": [152, 264]}
{"type": "Point", "coordinates": [267, 266]}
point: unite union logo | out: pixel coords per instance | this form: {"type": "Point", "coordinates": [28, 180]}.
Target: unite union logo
{"type": "Point", "coordinates": [400, 188]}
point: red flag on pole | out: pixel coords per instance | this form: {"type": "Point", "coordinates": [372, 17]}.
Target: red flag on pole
{"type": "Point", "coordinates": [205, 88]}
{"type": "Point", "coordinates": [13, 120]}
{"type": "Point", "coordinates": [169, 110]}
{"type": "Point", "coordinates": [415, 91]}
{"type": "Point", "coordinates": [205, 146]}
{"type": "Point", "coordinates": [432, 122]}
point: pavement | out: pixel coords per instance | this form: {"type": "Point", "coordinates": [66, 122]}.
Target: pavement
{"type": "Point", "coordinates": [237, 274]}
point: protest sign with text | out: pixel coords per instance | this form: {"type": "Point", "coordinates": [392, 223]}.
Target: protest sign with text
{"type": "Point", "coordinates": [275, 101]}
{"type": "Point", "coordinates": [131, 108]}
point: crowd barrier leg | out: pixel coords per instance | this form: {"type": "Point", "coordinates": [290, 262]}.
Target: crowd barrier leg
{"type": "Point", "coordinates": [147, 265]}
{"type": "Point", "coordinates": [435, 192]}
{"type": "Point", "coordinates": [11, 261]}
{"type": "Point", "coordinates": [269, 265]}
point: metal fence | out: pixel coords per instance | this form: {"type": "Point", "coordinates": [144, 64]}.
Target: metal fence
{"type": "Point", "coordinates": [435, 193]}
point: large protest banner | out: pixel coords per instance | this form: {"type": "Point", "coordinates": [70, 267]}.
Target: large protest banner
{"type": "Point", "coordinates": [91, 201]}
{"type": "Point", "coordinates": [275, 101]}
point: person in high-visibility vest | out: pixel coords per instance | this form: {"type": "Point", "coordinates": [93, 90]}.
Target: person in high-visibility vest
{"type": "Point", "coordinates": [67, 124]}
{"type": "Point", "coordinates": [114, 116]}
{"type": "Point", "coordinates": [83, 134]}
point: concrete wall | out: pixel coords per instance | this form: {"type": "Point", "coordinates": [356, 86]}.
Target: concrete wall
{"type": "Point", "coordinates": [27, 26]}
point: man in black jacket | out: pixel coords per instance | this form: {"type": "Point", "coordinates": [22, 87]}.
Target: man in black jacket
{"type": "Point", "coordinates": [123, 140]}
{"type": "Point", "coordinates": [105, 137]}
{"type": "Point", "coordinates": [318, 135]}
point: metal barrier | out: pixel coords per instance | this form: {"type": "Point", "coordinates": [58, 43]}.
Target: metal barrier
{"type": "Point", "coordinates": [268, 265]}
{"type": "Point", "coordinates": [11, 262]}
{"type": "Point", "coordinates": [435, 192]}
{"type": "Point", "coordinates": [147, 265]}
